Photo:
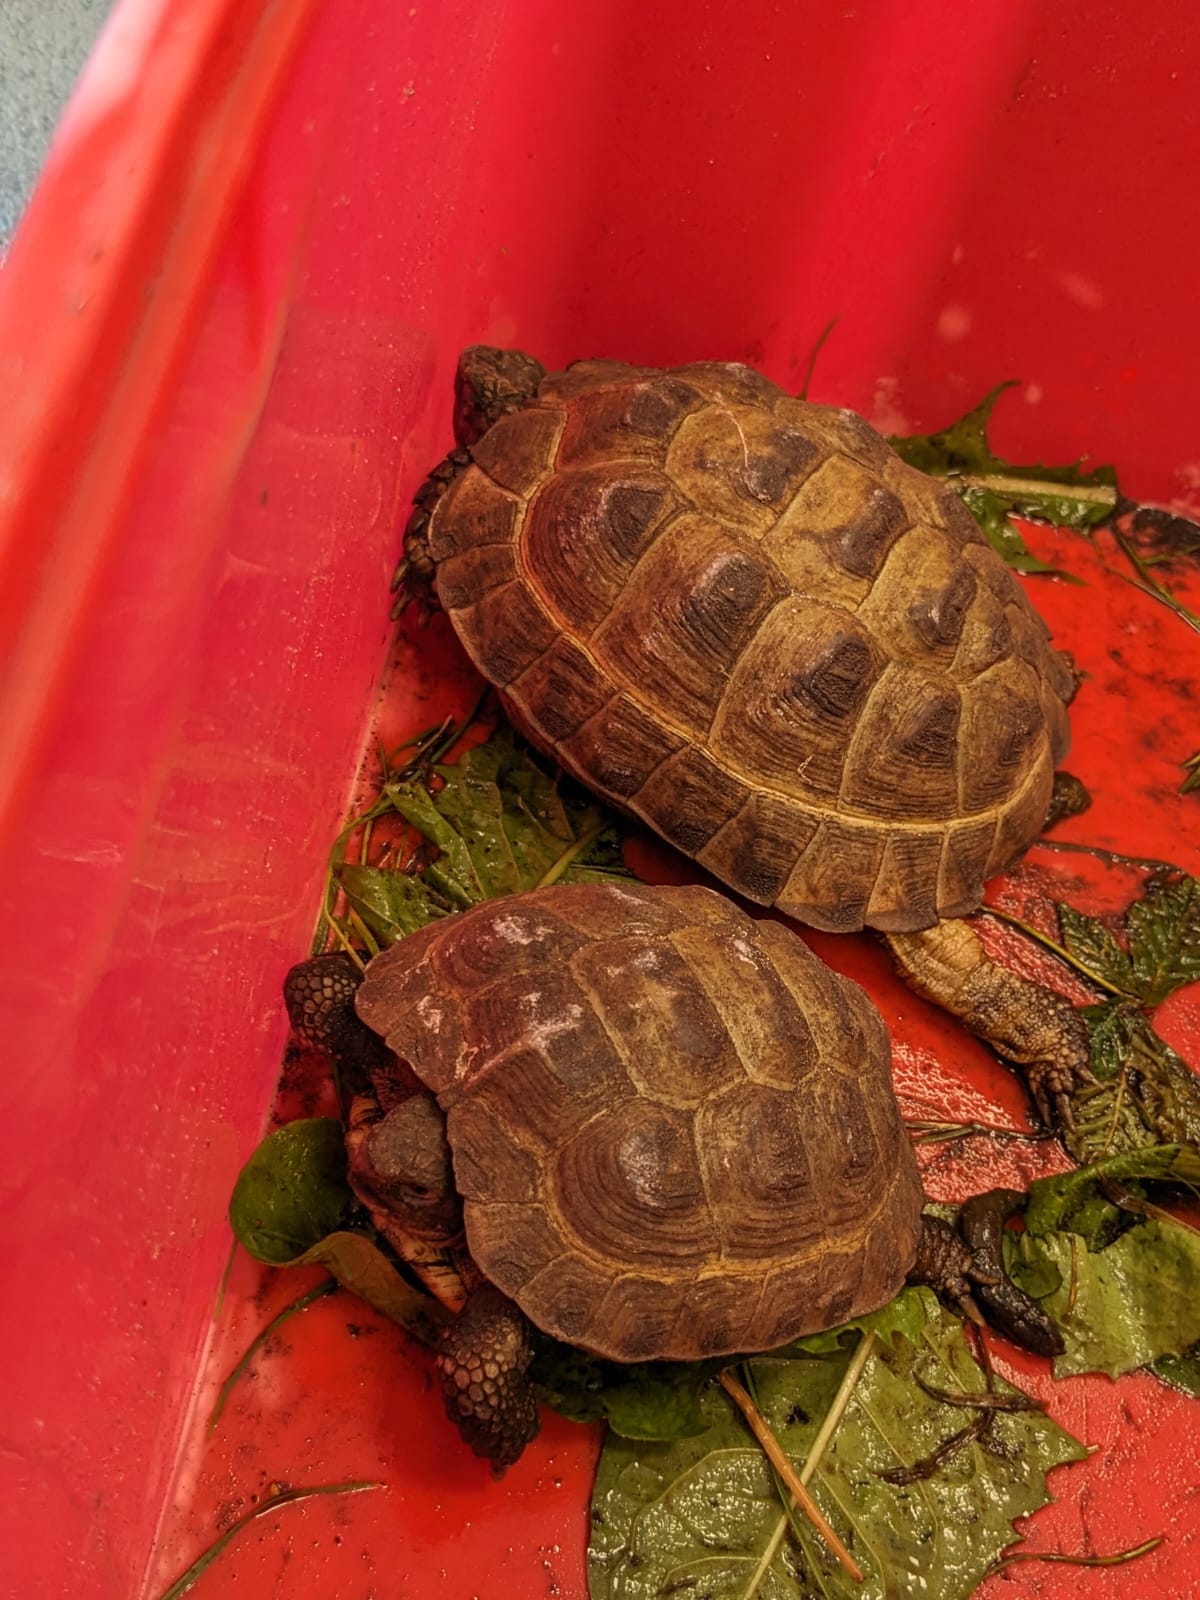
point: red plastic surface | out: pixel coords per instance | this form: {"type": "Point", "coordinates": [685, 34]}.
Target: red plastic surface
{"type": "Point", "coordinates": [226, 333]}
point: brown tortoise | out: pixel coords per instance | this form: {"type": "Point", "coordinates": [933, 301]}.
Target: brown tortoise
{"type": "Point", "coordinates": [653, 1126]}
{"type": "Point", "coordinates": [743, 619]}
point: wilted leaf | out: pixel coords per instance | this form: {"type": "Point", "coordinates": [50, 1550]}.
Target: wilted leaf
{"type": "Point", "coordinates": [292, 1191]}
{"type": "Point", "coordinates": [1146, 1095]}
{"type": "Point", "coordinates": [700, 1516]}
{"type": "Point", "coordinates": [359, 1265]}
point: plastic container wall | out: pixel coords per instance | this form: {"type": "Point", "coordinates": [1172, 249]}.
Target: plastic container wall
{"type": "Point", "coordinates": [227, 332]}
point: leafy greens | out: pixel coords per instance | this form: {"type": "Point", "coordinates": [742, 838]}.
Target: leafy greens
{"type": "Point", "coordinates": [702, 1515]}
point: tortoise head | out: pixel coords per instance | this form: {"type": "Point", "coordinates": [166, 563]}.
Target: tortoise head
{"type": "Point", "coordinates": [400, 1167]}
{"type": "Point", "coordinates": [488, 385]}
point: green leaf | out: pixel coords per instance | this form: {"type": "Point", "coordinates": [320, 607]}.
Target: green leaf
{"type": "Point", "coordinates": [1122, 1289]}
{"type": "Point", "coordinates": [642, 1400]}
{"type": "Point", "coordinates": [661, 1399]}
{"type": "Point", "coordinates": [991, 512]}
{"type": "Point", "coordinates": [392, 904]}
{"type": "Point", "coordinates": [293, 1191]}
{"type": "Point", "coordinates": [1111, 1025]}
{"type": "Point", "coordinates": [701, 1516]}
{"type": "Point", "coordinates": [288, 1207]}
{"type": "Point", "coordinates": [1192, 767]}
{"type": "Point", "coordinates": [994, 489]}
{"type": "Point", "coordinates": [1130, 1303]}
{"type": "Point", "coordinates": [1065, 1201]}
{"type": "Point", "coordinates": [1164, 936]}
{"type": "Point", "coordinates": [1095, 947]}
{"type": "Point", "coordinates": [359, 1265]}
{"type": "Point", "coordinates": [905, 1317]}
{"type": "Point", "coordinates": [501, 824]}
{"type": "Point", "coordinates": [1182, 1371]}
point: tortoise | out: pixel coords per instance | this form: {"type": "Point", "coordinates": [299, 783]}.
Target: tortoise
{"type": "Point", "coordinates": [638, 1118]}
{"type": "Point", "coordinates": [740, 617]}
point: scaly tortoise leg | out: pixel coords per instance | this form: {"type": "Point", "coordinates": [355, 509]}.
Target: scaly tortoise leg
{"type": "Point", "coordinates": [1023, 1021]}
{"type": "Point", "coordinates": [483, 1363]}
{"type": "Point", "coordinates": [319, 997]}
{"type": "Point", "coordinates": [967, 1271]}
{"type": "Point", "coordinates": [483, 1354]}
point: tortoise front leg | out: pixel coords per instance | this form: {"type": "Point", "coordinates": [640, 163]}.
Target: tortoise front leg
{"type": "Point", "coordinates": [969, 1273]}
{"type": "Point", "coordinates": [319, 996]}
{"type": "Point", "coordinates": [1023, 1021]}
{"type": "Point", "coordinates": [483, 1362]}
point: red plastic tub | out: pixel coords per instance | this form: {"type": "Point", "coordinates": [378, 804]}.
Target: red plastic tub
{"type": "Point", "coordinates": [227, 330]}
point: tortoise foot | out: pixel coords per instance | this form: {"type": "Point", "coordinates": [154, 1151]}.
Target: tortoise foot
{"type": "Point", "coordinates": [482, 1361]}
{"type": "Point", "coordinates": [1009, 1310]}
{"type": "Point", "coordinates": [967, 1272]}
{"type": "Point", "coordinates": [1027, 1023]}
{"type": "Point", "coordinates": [944, 1264]}
{"type": "Point", "coordinates": [319, 996]}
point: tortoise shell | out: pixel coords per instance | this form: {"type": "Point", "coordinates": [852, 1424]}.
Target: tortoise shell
{"type": "Point", "coordinates": [673, 1128]}
{"type": "Point", "coordinates": [742, 618]}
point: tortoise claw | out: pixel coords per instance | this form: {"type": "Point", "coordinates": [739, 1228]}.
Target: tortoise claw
{"type": "Point", "coordinates": [1028, 1024]}
{"type": "Point", "coordinates": [1009, 1309]}
{"type": "Point", "coordinates": [1053, 1083]}
{"type": "Point", "coordinates": [967, 1272]}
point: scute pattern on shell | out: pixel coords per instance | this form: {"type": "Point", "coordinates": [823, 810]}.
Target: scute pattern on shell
{"type": "Point", "coordinates": [673, 1128]}
{"type": "Point", "coordinates": [717, 604]}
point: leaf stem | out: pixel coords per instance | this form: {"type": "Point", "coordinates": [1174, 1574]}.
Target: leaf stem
{"type": "Point", "coordinates": [1114, 1560]}
{"type": "Point", "coordinates": [455, 731]}
{"type": "Point", "coordinates": [1118, 1102]}
{"type": "Point", "coordinates": [858, 1362]}
{"type": "Point", "coordinates": [223, 1286]}
{"type": "Point", "coordinates": [1038, 488]}
{"type": "Point", "coordinates": [1150, 585]}
{"type": "Point", "coordinates": [364, 933]}
{"type": "Point", "coordinates": [927, 1131]}
{"type": "Point", "coordinates": [1073, 1291]}
{"type": "Point", "coordinates": [820, 1444]}
{"type": "Point", "coordinates": [572, 853]}
{"type": "Point", "coordinates": [1114, 858]}
{"type": "Point", "coordinates": [778, 1458]}
{"type": "Point", "coordinates": [818, 345]}
{"type": "Point", "coordinates": [275, 1499]}
{"type": "Point", "coordinates": [339, 934]}
{"type": "Point", "coordinates": [1059, 950]}
{"type": "Point", "coordinates": [260, 1339]}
